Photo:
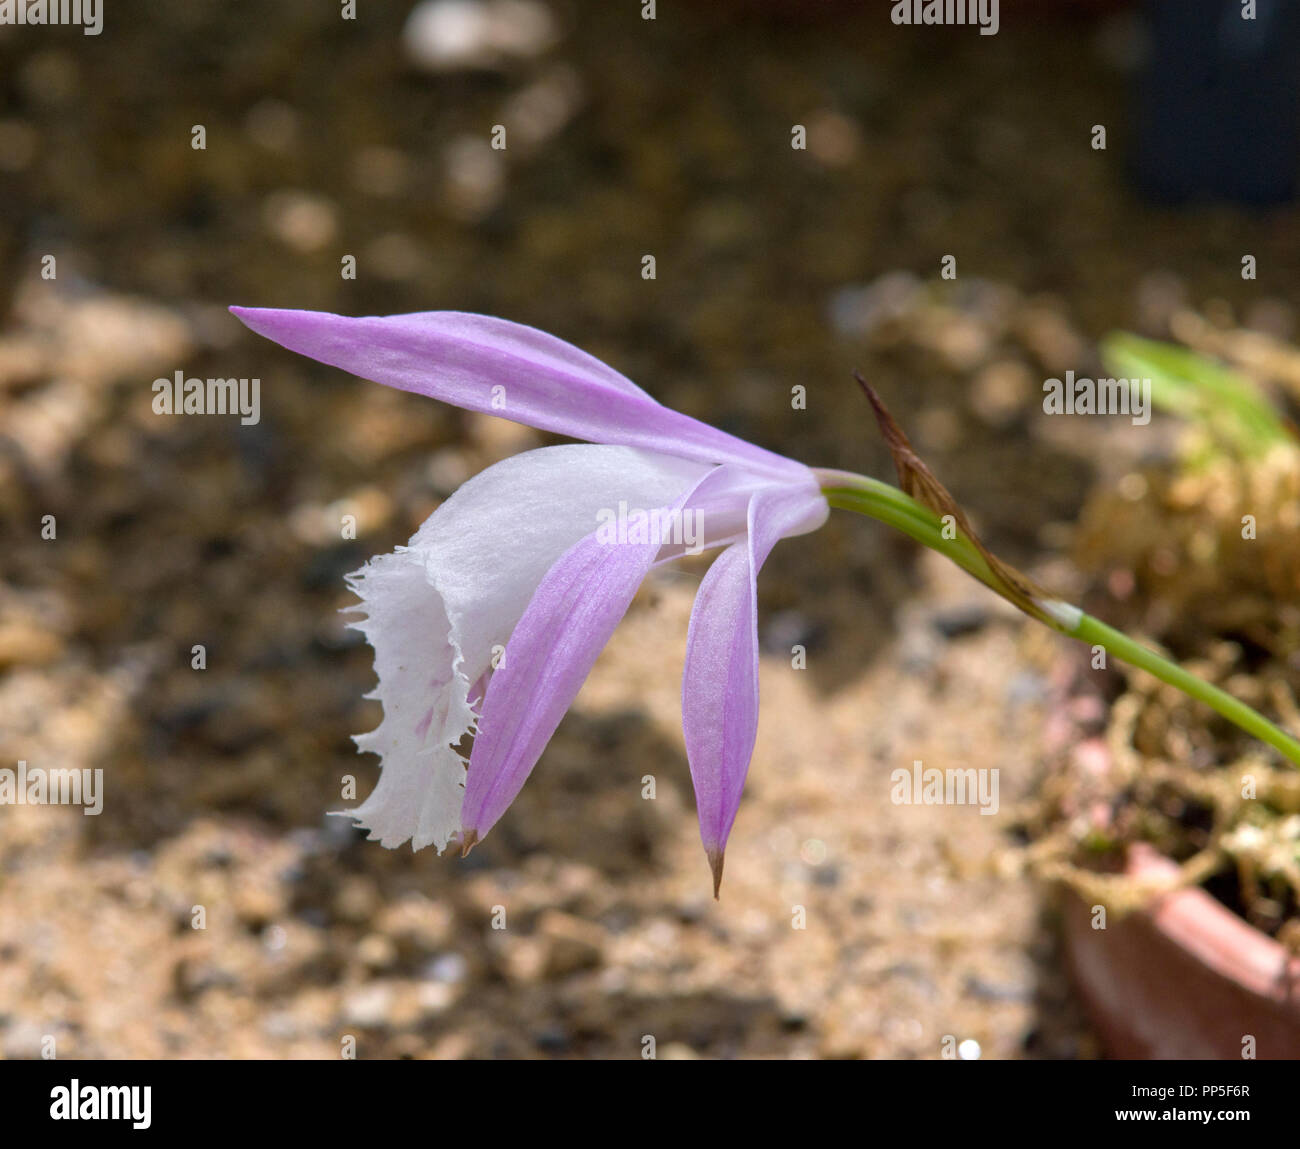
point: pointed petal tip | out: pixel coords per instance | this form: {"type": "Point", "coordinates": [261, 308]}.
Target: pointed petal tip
{"type": "Point", "coordinates": [468, 840]}
{"type": "Point", "coordinates": [272, 321]}
{"type": "Point", "coordinates": [248, 316]}
{"type": "Point", "coordinates": [716, 858]}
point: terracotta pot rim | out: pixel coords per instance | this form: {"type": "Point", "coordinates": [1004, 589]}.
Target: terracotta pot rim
{"type": "Point", "coordinates": [1183, 977]}
{"type": "Point", "coordinates": [1214, 935]}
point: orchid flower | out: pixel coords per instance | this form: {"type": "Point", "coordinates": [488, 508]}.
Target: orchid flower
{"type": "Point", "coordinates": [488, 621]}
{"type": "Point", "coordinates": [524, 557]}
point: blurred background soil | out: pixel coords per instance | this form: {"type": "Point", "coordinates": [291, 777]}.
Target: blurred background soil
{"type": "Point", "coordinates": [775, 267]}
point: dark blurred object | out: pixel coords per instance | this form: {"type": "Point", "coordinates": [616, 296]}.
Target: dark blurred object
{"type": "Point", "coordinates": [1218, 116]}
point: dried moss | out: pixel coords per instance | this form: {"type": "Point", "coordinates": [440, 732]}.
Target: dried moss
{"type": "Point", "coordinates": [1205, 562]}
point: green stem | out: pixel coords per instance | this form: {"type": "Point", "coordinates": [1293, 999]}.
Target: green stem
{"type": "Point", "coordinates": [889, 505]}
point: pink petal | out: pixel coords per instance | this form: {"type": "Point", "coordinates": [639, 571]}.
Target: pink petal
{"type": "Point", "coordinates": [566, 625]}
{"type": "Point", "coordinates": [501, 368]}
{"type": "Point", "coordinates": [720, 680]}
{"type": "Point", "coordinates": [438, 607]}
